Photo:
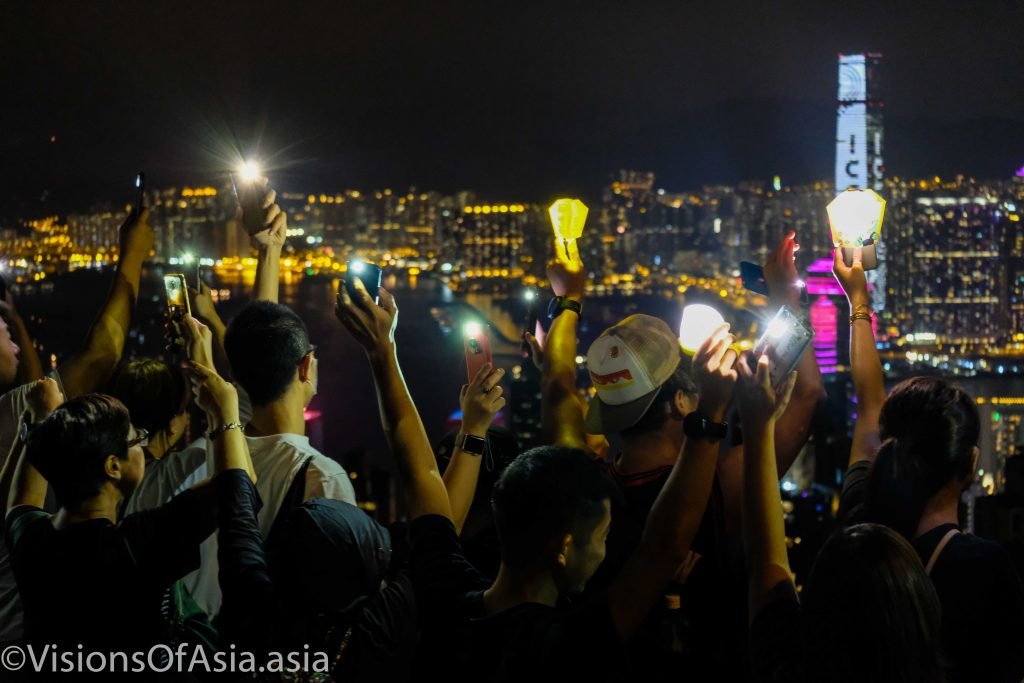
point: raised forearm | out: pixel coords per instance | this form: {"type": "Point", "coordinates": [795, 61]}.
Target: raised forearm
{"type": "Point", "coordinates": [460, 479]}
{"type": "Point", "coordinates": [30, 367]}
{"type": "Point", "coordinates": [424, 488]}
{"type": "Point", "coordinates": [794, 426]}
{"type": "Point", "coordinates": [268, 273]}
{"type": "Point", "coordinates": [868, 387]}
{"type": "Point", "coordinates": [28, 486]}
{"type": "Point", "coordinates": [763, 524]}
{"type": "Point", "coordinates": [561, 412]}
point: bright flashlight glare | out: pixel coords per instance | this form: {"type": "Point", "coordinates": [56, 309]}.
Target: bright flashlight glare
{"type": "Point", "coordinates": [188, 258]}
{"type": "Point", "coordinates": [357, 266]}
{"type": "Point", "coordinates": [699, 322]}
{"type": "Point", "coordinates": [529, 295]}
{"type": "Point", "coordinates": [801, 284]}
{"type": "Point", "coordinates": [472, 329]}
{"type": "Point", "coordinates": [249, 171]}
{"type": "Point", "coordinates": [778, 329]}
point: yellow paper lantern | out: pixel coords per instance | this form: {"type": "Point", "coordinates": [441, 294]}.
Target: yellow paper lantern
{"type": "Point", "coordinates": [567, 218]}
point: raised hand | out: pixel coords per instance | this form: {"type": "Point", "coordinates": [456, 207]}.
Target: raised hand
{"type": "Point", "coordinates": [136, 236]}
{"type": "Point", "coordinates": [372, 325]}
{"type": "Point", "coordinates": [758, 401]}
{"type": "Point", "coordinates": [481, 400]}
{"type": "Point", "coordinates": [274, 222]}
{"type": "Point", "coordinates": [214, 395]}
{"type": "Point", "coordinates": [714, 372]}
{"type": "Point", "coordinates": [780, 272]}
{"type": "Point", "coordinates": [852, 278]}
{"type": "Point", "coordinates": [566, 273]}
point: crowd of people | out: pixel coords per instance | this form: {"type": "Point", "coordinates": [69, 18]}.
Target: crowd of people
{"type": "Point", "coordinates": [644, 541]}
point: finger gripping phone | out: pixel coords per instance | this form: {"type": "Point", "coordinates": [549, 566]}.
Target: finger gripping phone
{"type": "Point", "coordinates": [177, 294]}
{"type": "Point", "coordinates": [787, 337]}
{"type": "Point", "coordinates": [477, 343]}
{"type": "Point", "coordinates": [367, 273]}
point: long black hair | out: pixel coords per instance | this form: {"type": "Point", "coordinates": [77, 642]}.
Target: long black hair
{"type": "Point", "coordinates": [929, 429]}
{"type": "Point", "coordinates": [869, 612]}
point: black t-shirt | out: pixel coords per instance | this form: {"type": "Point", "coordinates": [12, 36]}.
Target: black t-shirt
{"type": "Point", "coordinates": [982, 595]}
{"type": "Point", "coordinates": [707, 636]}
{"type": "Point", "coordinates": [98, 583]}
{"type": "Point", "coordinates": [527, 642]}
{"type": "Point", "coordinates": [774, 643]}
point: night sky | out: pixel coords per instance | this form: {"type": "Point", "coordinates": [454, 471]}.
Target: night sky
{"type": "Point", "coordinates": [518, 100]}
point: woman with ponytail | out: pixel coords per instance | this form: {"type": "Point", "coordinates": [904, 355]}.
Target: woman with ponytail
{"type": "Point", "coordinates": [914, 452]}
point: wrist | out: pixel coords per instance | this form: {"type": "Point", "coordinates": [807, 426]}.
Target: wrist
{"type": "Point", "coordinates": [270, 249]}
{"type": "Point", "coordinates": [859, 301]}
{"type": "Point", "coordinates": [222, 416]}
{"type": "Point", "coordinates": [383, 356]}
{"type": "Point", "coordinates": [759, 429]}
{"type": "Point", "coordinates": [712, 410]}
{"type": "Point", "coordinates": [471, 430]}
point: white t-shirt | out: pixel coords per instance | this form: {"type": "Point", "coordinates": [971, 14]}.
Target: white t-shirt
{"type": "Point", "coordinates": [13, 405]}
{"type": "Point", "coordinates": [276, 460]}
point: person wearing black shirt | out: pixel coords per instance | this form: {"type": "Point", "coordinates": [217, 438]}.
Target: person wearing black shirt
{"type": "Point", "coordinates": [868, 611]}
{"type": "Point", "coordinates": [914, 452]}
{"type": "Point", "coordinates": [552, 509]}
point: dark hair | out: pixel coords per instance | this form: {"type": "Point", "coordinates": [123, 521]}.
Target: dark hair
{"type": "Point", "coordinates": [265, 344]}
{"type": "Point", "coordinates": [658, 411]}
{"type": "Point", "coordinates": [70, 446]}
{"type": "Point", "coordinates": [543, 494]}
{"type": "Point", "coordinates": [869, 612]}
{"type": "Point", "coordinates": [929, 429]}
{"type": "Point", "coordinates": [152, 390]}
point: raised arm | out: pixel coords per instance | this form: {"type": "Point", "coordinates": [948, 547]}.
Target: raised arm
{"type": "Point", "coordinates": [373, 327]}
{"type": "Point", "coordinates": [269, 242]}
{"type": "Point", "coordinates": [20, 482]}
{"type": "Point", "coordinates": [677, 512]}
{"type": "Point", "coordinates": [104, 345]}
{"type": "Point", "coordinates": [30, 368]}
{"type": "Point", "coordinates": [795, 425]}
{"type": "Point", "coordinates": [763, 524]}
{"type": "Point", "coordinates": [866, 367]}
{"type": "Point", "coordinates": [480, 400]}
{"type": "Point", "coordinates": [562, 413]}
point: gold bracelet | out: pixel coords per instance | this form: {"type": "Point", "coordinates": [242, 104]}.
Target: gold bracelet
{"type": "Point", "coordinates": [861, 312]}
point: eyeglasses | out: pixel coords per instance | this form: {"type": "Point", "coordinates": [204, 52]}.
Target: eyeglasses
{"type": "Point", "coordinates": [141, 439]}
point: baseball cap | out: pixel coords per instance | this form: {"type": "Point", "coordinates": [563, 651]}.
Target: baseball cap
{"type": "Point", "coordinates": [628, 364]}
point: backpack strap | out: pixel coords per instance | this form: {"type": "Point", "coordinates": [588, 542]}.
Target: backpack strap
{"type": "Point", "coordinates": [295, 496]}
{"type": "Point", "coordinates": [938, 550]}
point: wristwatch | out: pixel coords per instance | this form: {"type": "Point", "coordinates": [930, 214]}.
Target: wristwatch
{"type": "Point", "coordinates": [696, 426]}
{"type": "Point", "coordinates": [472, 444]}
{"type": "Point", "coordinates": [563, 303]}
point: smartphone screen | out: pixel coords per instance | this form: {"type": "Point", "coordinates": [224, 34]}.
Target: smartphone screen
{"type": "Point", "coordinates": [788, 336]}
{"type": "Point", "coordinates": [177, 294]}
{"type": "Point", "coordinates": [140, 188]}
{"type": "Point", "coordinates": [753, 278]}
{"type": "Point", "coordinates": [477, 342]}
{"type": "Point", "coordinates": [367, 273]}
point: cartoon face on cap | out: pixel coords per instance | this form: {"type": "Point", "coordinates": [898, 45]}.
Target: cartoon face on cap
{"type": "Point", "coordinates": [615, 372]}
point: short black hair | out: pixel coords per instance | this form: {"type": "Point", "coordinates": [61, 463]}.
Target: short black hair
{"type": "Point", "coordinates": [71, 445]}
{"type": "Point", "coordinates": [152, 390]}
{"type": "Point", "coordinates": [658, 411]}
{"type": "Point", "coordinates": [543, 494]}
{"type": "Point", "coordinates": [265, 344]}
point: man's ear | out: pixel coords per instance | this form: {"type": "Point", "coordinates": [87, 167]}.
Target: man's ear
{"type": "Point", "coordinates": [112, 467]}
{"type": "Point", "coordinates": [564, 550]}
{"type": "Point", "coordinates": [683, 404]}
{"type": "Point", "coordinates": [306, 368]}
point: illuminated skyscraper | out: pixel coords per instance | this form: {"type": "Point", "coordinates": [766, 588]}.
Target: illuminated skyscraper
{"type": "Point", "coordinates": [859, 139]}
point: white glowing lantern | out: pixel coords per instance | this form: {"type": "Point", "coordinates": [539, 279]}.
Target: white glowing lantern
{"type": "Point", "coordinates": [699, 322]}
{"type": "Point", "coordinates": [855, 217]}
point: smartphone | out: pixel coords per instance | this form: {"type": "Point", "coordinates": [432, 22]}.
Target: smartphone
{"type": "Point", "coordinates": [530, 324]}
{"type": "Point", "coordinates": [477, 342]}
{"type": "Point", "coordinates": [177, 294]}
{"type": "Point", "coordinates": [3, 289]}
{"type": "Point", "coordinates": [753, 278]}
{"type": "Point", "coordinates": [250, 195]}
{"type": "Point", "coordinates": [869, 257]}
{"type": "Point", "coordinates": [369, 274]}
{"type": "Point", "coordinates": [788, 336]}
{"type": "Point", "coordinates": [140, 189]}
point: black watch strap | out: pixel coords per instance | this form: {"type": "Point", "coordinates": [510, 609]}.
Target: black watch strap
{"type": "Point", "coordinates": [563, 303]}
{"type": "Point", "coordinates": [696, 426]}
{"type": "Point", "coordinates": [472, 444]}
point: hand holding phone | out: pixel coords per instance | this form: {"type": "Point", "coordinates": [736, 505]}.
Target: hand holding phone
{"type": "Point", "coordinates": [251, 194]}
{"type": "Point", "coordinates": [177, 295]}
{"type": "Point", "coordinates": [140, 188]}
{"type": "Point", "coordinates": [367, 273]}
{"type": "Point", "coordinates": [477, 343]}
{"type": "Point", "coordinates": [785, 341]}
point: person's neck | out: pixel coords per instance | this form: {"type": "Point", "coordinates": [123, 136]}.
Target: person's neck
{"type": "Point", "coordinates": [102, 506]}
{"type": "Point", "coordinates": [513, 588]}
{"type": "Point", "coordinates": [941, 509]}
{"type": "Point", "coordinates": [283, 416]}
{"type": "Point", "coordinates": [650, 451]}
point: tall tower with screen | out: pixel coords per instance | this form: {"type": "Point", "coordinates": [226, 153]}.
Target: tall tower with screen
{"type": "Point", "coordinates": [859, 139]}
